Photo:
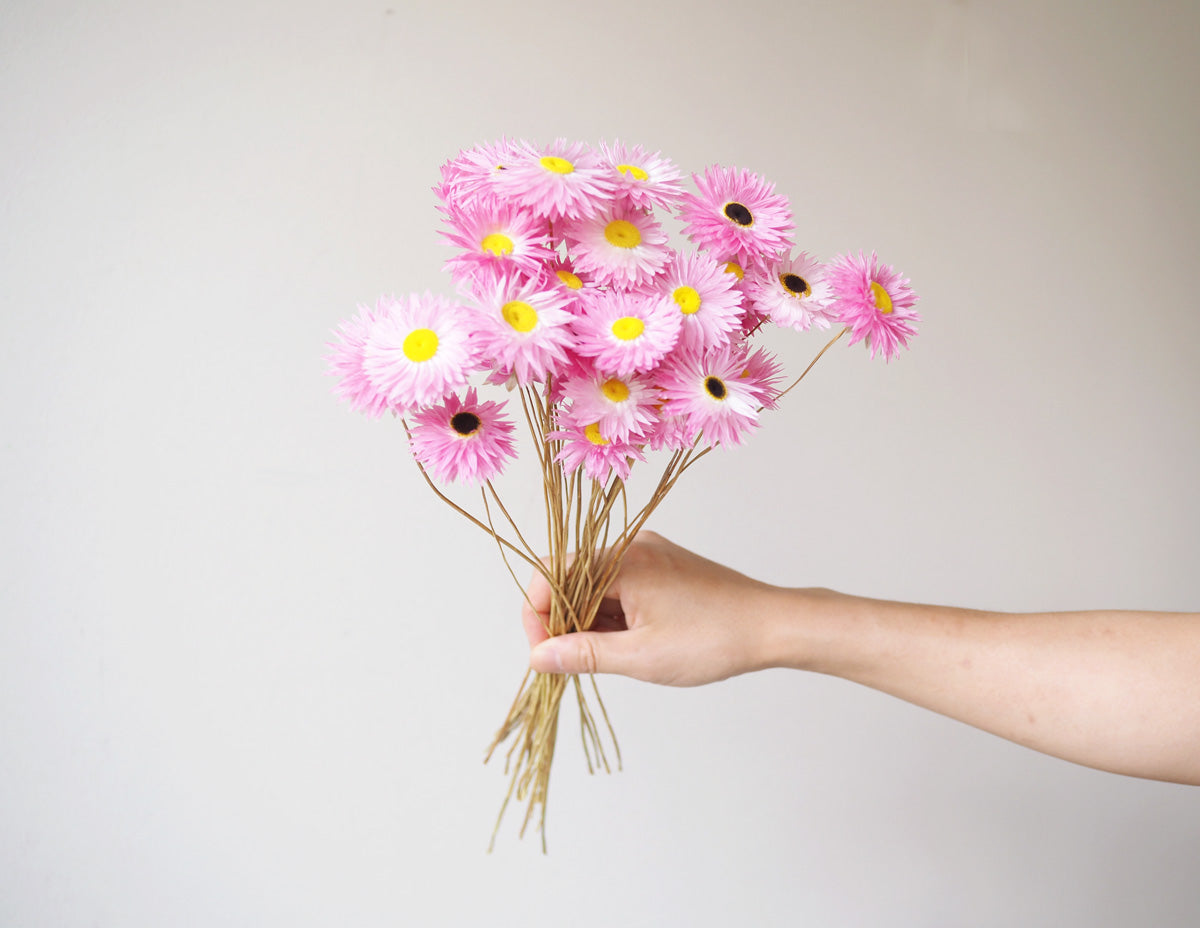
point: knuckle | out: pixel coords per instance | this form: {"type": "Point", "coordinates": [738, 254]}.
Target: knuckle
{"type": "Point", "coordinates": [587, 656]}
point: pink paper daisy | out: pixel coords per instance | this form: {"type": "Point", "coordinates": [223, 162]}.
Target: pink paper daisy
{"type": "Point", "coordinates": [566, 180]}
{"type": "Point", "coordinates": [566, 278]}
{"type": "Point", "coordinates": [672, 433]}
{"type": "Point", "coordinates": [874, 301]}
{"type": "Point", "coordinates": [495, 238]}
{"type": "Point", "coordinates": [346, 363]}
{"type": "Point", "coordinates": [621, 247]}
{"type": "Point", "coordinates": [623, 408]}
{"type": "Point", "coordinates": [626, 333]}
{"type": "Point", "coordinates": [643, 181]}
{"type": "Point", "coordinates": [419, 350]}
{"type": "Point", "coordinates": [713, 391]}
{"type": "Point", "coordinates": [523, 327]}
{"type": "Point", "coordinates": [737, 213]}
{"type": "Point", "coordinates": [763, 374]}
{"type": "Point", "coordinates": [462, 439]}
{"type": "Point", "coordinates": [793, 292]}
{"type": "Point", "coordinates": [706, 297]}
{"type": "Point", "coordinates": [468, 178]}
{"type": "Point", "coordinates": [585, 445]}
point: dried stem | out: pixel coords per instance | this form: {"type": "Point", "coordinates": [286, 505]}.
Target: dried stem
{"type": "Point", "coordinates": [583, 562]}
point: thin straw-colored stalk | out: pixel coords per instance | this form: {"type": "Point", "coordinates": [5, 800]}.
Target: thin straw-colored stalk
{"type": "Point", "coordinates": [583, 562]}
{"type": "Point", "coordinates": [811, 364]}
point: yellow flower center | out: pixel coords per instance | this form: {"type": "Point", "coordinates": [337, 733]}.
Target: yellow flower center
{"type": "Point", "coordinates": [622, 234]}
{"type": "Point", "coordinates": [420, 345]}
{"type": "Point", "coordinates": [521, 316]}
{"type": "Point", "coordinates": [627, 328]}
{"type": "Point", "coordinates": [497, 243]}
{"type": "Point", "coordinates": [592, 432]}
{"type": "Point", "coordinates": [715, 387]}
{"type": "Point", "coordinates": [556, 165]}
{"type": "Point", "coordinates": [883, 301]}
{"type": "Point", "coordinates": [688, 300]}
{"type": "Point", "coordinates": [569, 279]}
{"type": "Point", "coordinates": [615, 390]}
{"type": "Point", "coordinates": [634, 171]}
{"type": "Point", "coordinates": [732, 267]}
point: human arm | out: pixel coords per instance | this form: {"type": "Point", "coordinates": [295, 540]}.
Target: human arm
{"type": "Point", "coordinates": [1119, 691]}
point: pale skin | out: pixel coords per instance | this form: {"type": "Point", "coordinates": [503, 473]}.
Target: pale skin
{"type": "Point", "coordinates": [1114, 690]}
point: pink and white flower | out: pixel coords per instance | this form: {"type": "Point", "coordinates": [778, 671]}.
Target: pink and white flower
{"type": "Point", "coordinates": [462, 439]}
{"type": "Point", "coordinates": [495, 238]}
{"type": "Point", "coordinates": [467, 179]}
{"type": "Point", "coordinates": [565, 277]}
{"type": "Point", "coordinates": [565, 180]}
{"type": "Point", "coordinates": [643, 181]}
{"type": "Point", "coordinates": [619, 247]}
{"type": "Point", "coordinates": [874, 301]}
{"type": "Point", "coordinates": [419, 349]}
{"type": "Point", "coordinates": [713, 393]}
{"type": "Point", "coordinates": [672, 433]}
{"type": "Point", "coordinates": [707, 298]}
{"type": "Point", "coordinates": [626, 333]}
{"type": "Point", "coordinates": [523, 327]}
{"type": "Point", "coordinates": [346, 363]}
{"type": "Point", "coordinates": [793, 292]}
{"type": "Point", "coordinates": [737, 213]}
{"type": "Point", "coordinates": [763, 374]}
{"type": "Point", "coordinates": [584, 444]}
{"type": "Point", "coordinates": [624, 408]}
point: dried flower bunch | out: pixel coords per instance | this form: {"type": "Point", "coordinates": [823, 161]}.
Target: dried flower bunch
{"type": "Point", "coordinates": [611, 345]}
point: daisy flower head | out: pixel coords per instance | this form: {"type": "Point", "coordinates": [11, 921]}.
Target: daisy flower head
{"type": "Point", "coordinates": [584, 444]}
{"type": "Point", "coordinates": [623, 408]}
{"type": "Point", "coordinates": [621, 247]}
{"type": "Point", "coordinates": [494, 237]}
{"type": "Point", "coordinates": [565, 277]}
{"type": "Point", "coordinates": [793, 292]}
{"type": "Point", "coordinates": [523, 326]}
{"type": "Point", "coordinates": [419, 349]}
{"type": "Point", "coordinates": [753, 319]}
{"type": "Point", "coordinates": [624, 333]}
{"type": "Point", "coordinates": [713, 392]}
{"type": "Point", "coordinates": [345, 360]}
{"type": "Point", "coordinates": [462, 439]}
{"type": "Point", "coordinates": [736, 213]}
{"type": "Point", "coordinates": [763, 374]}
{"type": "Point", "coordinates": [566, 180]}
{"type": "Point", "coordinates": [706, 297]}
{"type": "Point", "coordinates": [874, 301]}
{"type": "Point", "coordinates": [672, 433]}
{"type": "Point", "coordinates": [468, 177]}
{"type": "Point", "coordinates": [643, 181]}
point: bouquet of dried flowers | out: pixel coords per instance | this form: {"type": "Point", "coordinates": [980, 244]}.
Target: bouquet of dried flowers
{"type": "Point", "coordinates": [611, 347]}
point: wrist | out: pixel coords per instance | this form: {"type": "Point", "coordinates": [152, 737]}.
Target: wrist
{"type": "Point", "coordinates": [805, 628]}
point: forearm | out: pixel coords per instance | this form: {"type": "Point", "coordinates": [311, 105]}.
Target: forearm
{"type": "Point", "coordinates": [1115, 690]}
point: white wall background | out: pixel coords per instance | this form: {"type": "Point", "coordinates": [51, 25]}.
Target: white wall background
{"type": "Point", "coordinates": [248, 664]}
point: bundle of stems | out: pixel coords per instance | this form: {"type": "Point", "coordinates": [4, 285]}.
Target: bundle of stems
{"type": "Point", "coordinates": [587, 541]}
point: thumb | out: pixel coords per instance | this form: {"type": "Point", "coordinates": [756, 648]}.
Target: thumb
{"type": "Point", "coordinates": [582, 652]}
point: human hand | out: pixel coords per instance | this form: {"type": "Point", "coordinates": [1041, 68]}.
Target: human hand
{"type": "Point", "coordinates": [669, 616]}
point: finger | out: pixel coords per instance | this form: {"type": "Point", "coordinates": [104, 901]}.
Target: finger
{"type": "Point", "coordinates": [538, 593]}
{"type": "Point", "coordinates": [534, 624]}
{"type": "Point", "coordinates": [586, 652]}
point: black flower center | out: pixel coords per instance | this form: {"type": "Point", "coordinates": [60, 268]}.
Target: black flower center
{"type": "Point", "coordinates": [465, 423]}
{"type": "Point", "coordinates": [738, 213]}
{"type": "Point", "coordinates": [716, 388]}
{"type": "Point", "coordinates": [795, 284]}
